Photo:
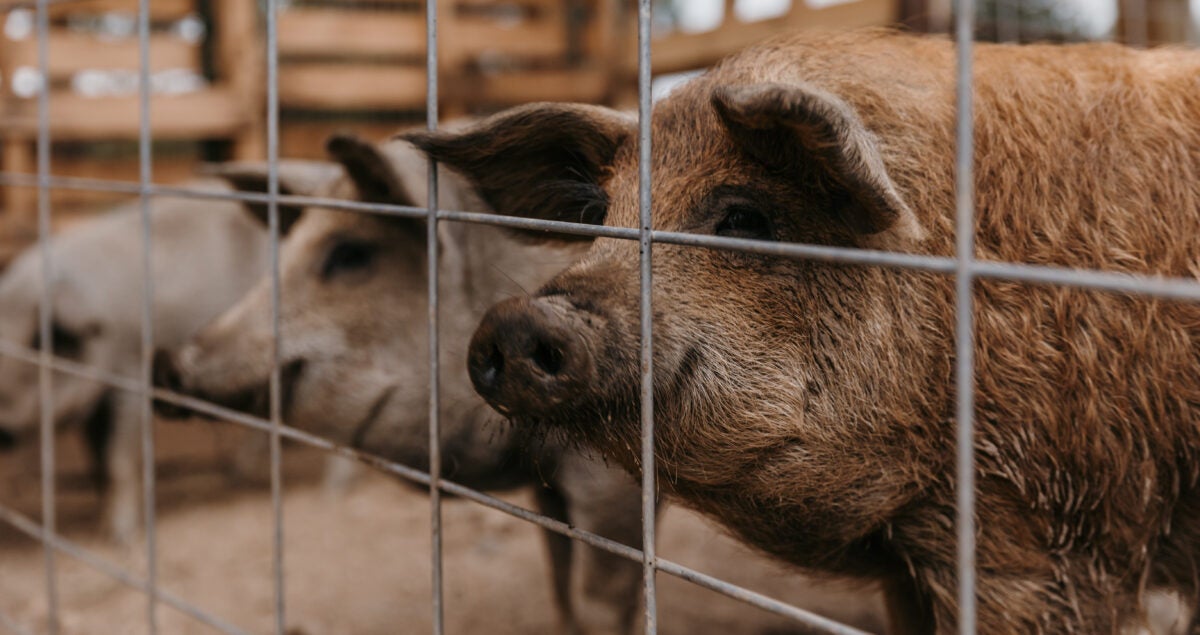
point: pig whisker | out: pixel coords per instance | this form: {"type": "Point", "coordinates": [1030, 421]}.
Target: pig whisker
{"type": "Point", "coordinates": [511, 279]}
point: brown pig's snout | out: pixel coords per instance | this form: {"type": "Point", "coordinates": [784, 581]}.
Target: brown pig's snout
{"type": "Point", "coordinates": [527, 359]}
{"type": "Point", "coordinates": [8, 440]}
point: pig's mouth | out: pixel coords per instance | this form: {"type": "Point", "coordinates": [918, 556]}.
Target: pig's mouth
{"type": "Point", "coordinates": [256, 399]}
{"type": "Point", "coordinates": [253, 400]}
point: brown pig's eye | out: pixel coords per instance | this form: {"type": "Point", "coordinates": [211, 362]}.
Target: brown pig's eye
{"type": "Point", "coordinates": [746, 222]}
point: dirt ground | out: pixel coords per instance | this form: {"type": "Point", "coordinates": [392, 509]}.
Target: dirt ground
{"type": "Point", "coordinates": [356, 561]}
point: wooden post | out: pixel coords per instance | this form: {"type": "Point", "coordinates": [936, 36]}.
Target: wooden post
{"type": "Point", "coordinates": [1169, 21]}
{"type": "Point", "coordinates": [20, 203]}
{"type": "Point", "coordinates": [241, 65]}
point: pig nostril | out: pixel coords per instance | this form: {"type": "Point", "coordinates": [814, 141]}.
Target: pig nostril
{"type": "Point", "coordinates": [548, 358]}
{"type": "Point", "coordinates": [7, 439]}
{"type": "Point", "coordinates": [493, 366]}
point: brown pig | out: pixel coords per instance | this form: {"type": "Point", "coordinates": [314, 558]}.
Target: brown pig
{"type": "Point", "coordinates": [809, 406]}
{"type": "Point", "coordinates": [354, 345]}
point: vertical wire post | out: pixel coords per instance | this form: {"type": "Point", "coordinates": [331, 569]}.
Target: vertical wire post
{"type": "Point", "coordinates": [647, 319]}
{"type": "Point", "coordinates": [276, 388]}
{"type": "Point", "coordinates": [964, 331]}
{"type": "Point", "coordinates": [46, 350]}
{"type": "Point", "coordinates": [435, 450]}
{"type": "Point", "coordinates": [145, 177]}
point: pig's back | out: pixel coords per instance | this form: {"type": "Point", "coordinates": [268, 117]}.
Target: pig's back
{"type": "Point", "coordinates": [207, 254]}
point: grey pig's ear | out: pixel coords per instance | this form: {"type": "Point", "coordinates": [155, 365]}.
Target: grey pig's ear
{"type": "Point", "coordinates": [296, 177]}
{"type": "Point", "coordinates": [541, 161]}
{"type": "Point", "coordinates": [809, 133]}
{"type": "Point", "coordinates": [371, 171]}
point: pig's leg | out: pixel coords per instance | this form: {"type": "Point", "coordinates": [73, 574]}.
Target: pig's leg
{"type": "Point", "coordinates": [551, 503]}
{"type": "Point", "coordinates": [605, 588]}
{"type": "Point", "coordinates": [97, 432]}
{"type": "Point", "coordinates": [123, 505]}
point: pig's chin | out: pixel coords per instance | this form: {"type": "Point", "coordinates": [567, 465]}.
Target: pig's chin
{"type": "Point", "coordinates": [608, 426]}
{"type": "Point", "coordinates": [255, 399]}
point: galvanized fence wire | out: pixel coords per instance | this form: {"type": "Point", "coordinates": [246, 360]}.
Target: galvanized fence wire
{"type": "Point", "coordinates": [275, 390]}
{"type": "Point", "coordinates": [964, 342]}
{"type": "Point", "coordinates": [419, 477]}
{"type": "Point", "coordinates": [432, 253]}
{"type": "Point", "coordinates": [962, 265]}
{"type": "Point", "coordinates": [57, 543]}
{"type": "Point", "coordinates": [46, 350]}
{"type": "Point", "coordinates": [649, 491]}
{"type": "Point", "coordinates": [146, 177]}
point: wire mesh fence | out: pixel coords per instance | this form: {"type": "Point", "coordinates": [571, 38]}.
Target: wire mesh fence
{"type": "Point", "coordinates": [963, 266]}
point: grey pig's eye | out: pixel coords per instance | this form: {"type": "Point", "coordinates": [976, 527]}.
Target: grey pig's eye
{"type": "Point", "coordinates": [348, 256]}
{"type": "Point", "coordinates": [65, 343]}
{"type": "Point", "coordinates": [743, 221]}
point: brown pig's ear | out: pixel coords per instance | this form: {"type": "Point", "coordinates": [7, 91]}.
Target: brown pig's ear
{"type": "Point", "coordinates": [806, 131]}
{"type": "Point", "coordinates": [541, 161]}
{"type": "Point", "coordinates": [296, 177]}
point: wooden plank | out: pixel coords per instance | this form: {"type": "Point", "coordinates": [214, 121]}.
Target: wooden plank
{"type": "Point", "coordinates": [159, 9]}
{"type": "Point", "coordinates": [535, 5]}
{"type": "Point", "coordinates": [542, 37]}
{"type": "Point", "coordinates": [334, 32]}
{"type": "Point", "coordinates": [204, 114]}
{"type": "Point", "coordinates": [689, 51]}
{"type": "Point", "coordinates": [239, 55]}
{"type": "Point", "coordinates": [606, 30]}
{"type": "Point", "coordinates": [300, 139]}
{"type": "Point", "coordinates": [590, 85]}
{"type": "Point", "coordinates": [360, 87]}
{"type": "Point", "coordinates": [339, 32]}
{"type": "Point", "coordinates": [71, 52]}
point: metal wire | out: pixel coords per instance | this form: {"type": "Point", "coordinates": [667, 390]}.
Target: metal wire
{"type": "Point", "coordinates": [645, 261]}
{"type": "Point", "coordinates": [420, 477]}
{"type": "Point", "coordinates": [276, 385]}
{"type": "Point", "coordinates": [431, 225]}
{"type": "Point", "coordinates": [46, 350]}
{"type": "Point", "coordinates": [964, 341]}
{"type": "Point", "coordinates": [1115, 282]}
{"type": "Point", "coordinates": [1104, 281]}
{"type": "Point", "coordinates": [146, 177]}
{"type": "Point", "coordinates": [962, 265]}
